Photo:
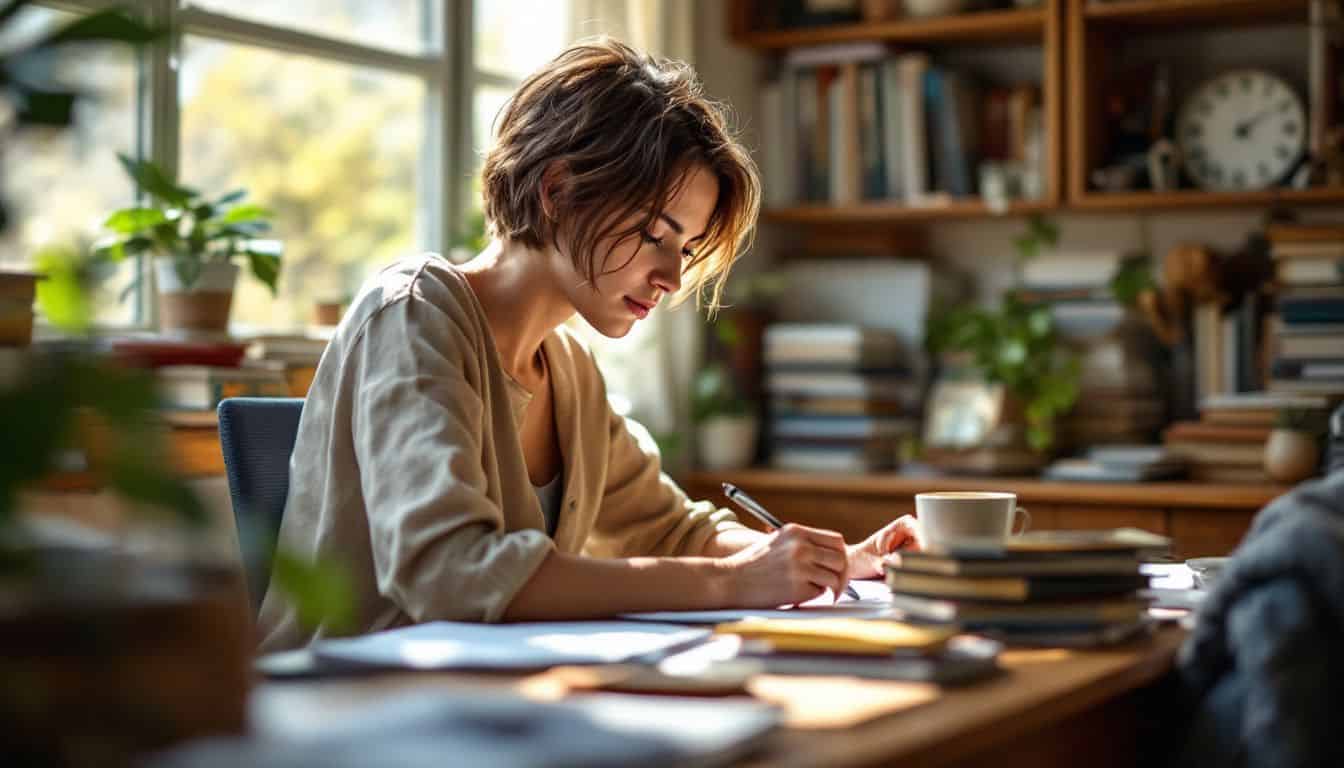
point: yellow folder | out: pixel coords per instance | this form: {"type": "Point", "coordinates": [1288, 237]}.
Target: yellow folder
{"type": "Point", "coordinates": [861, 636]}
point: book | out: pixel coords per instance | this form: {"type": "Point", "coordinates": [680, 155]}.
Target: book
{"type": "Point", "coordinates": [1090, 471]}
{"type": "Point", "coordinates": [1014, 588]}
{"type": "Point", "coordinates": [200, 388]}
{"type": "Point", "coordinates": [914, 148]}
{"type": "Point", "coordinates": [1304, 233]}
{"type": "Point", "coordinates": [1331, 389]}
{"type": "Point", "coordinates": [890, 103]}
{"type": "Point", "coordinates": [1078, 564]}
{"type": "Point", "coordinates": [1067, 542]}
{"type": "Point", "coordinates": [1325, 249]}
{"type": "Point", "coordinates": [1319, 369]}
{"type": "Point", "coordinates": [1311, 271]}
{"type": "Point", "coordinates": [840, 458]}
{"type": "Point", "coordinates": [1212, 432]}
{"type": "Point", "coordinates": [982, 614]}
{"type": "Point", "coordinates": [1261, 401]}
{"type": "Point", "coordinates": [848, 427]}
{"type": "Point", "coordinates": [805, 405]}
{"type": "Point", "coordinates": [828, 384]}
{"type": "Point", "coordinates": [965, 659]}
{"type": "Point", "coordinates": [1303, 345]}
{"type": "Point", "coordinates": [467, 645]}
{"type": "Point", "coordinates": [1214, 452]}
{"type": "Point", "coordinates": [839, 635]}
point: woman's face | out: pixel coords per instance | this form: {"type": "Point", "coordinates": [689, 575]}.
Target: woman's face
{"type": "Point", "coordinates": [653, 261]}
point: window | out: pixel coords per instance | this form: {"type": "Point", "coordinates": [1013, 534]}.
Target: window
{"type": "Point", "coordinates": [400, 25]}
{"type": "Point", "coordinates": [334, 150]}
{"type": "Point", "coordinates": [60, 185]}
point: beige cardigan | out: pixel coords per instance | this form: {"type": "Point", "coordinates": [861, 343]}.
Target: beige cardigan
{"type": "Point", "coordinates": [409, 470]}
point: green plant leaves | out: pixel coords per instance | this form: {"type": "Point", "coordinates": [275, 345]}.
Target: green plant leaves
{"type": "Point", "coordinates": [154, 182]}
{"type": "Point", "coordinates": [113, 25]}
{"type": "Point", "coordinates": [130, 221]}
{"type": "Point", "coordinates": [250, 212]}
{"type": "Point", "coordinates": [265, 266]}
{"type": "Point", "coordinates": [63, 295]}
{"type": "Point", "coordinates": [321, 591]}
{"type": "Point", "coordinates": [714, 393]}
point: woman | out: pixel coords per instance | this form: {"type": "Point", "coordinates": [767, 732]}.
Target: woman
{"type": "Point", "coordinates": [457, 452]}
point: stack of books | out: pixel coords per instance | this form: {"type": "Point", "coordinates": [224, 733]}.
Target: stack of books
{"type": "Point", "coordinates": [1227, 444]}
{"type": "Point", "coordinates": [1118, 400]}
{"type": "Point", "coordinates": [1119, 464]}
{"type": "Point", "coordinates": [192, 376]}
{"type": "Point", "coordinates": [1052, 587]}
{"type": "Point", "coordinates": [1306, 335]}
{"type": "Point", "coordinates": [297, 354]}
{"type": "Point", "coordinates": [841, 397]}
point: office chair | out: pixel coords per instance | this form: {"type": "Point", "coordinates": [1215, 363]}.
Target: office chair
{"type": "Point", "coordinates": [257, 436]}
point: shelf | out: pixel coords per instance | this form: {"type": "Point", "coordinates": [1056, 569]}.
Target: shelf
{"type": "Point", "coordinates": [1008, 26]}
{"type": "Point", "coordinates": [1194, 198]}
{"type": "Point", "coordinates": [1180, 13]}
{"type": "Point", "coordinates": [902, 485]}
{"type": "Point", "coordinates": [889, 211]}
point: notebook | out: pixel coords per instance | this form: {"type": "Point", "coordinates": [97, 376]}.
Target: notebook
{"type": "Point", "coordinates": [462, 645]}
{"type": "Point", "coordinates": [840, 635]}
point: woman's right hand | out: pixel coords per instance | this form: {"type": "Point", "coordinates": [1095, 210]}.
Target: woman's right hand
{"type": "Point", "coordinates": [791, 565]}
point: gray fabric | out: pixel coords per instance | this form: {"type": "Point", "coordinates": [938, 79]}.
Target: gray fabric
{"type": "Point", "coordinates": [1264, 666]}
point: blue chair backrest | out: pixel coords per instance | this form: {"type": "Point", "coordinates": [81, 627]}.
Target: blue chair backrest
{"type": "Point", "coordinates": [257, 436]}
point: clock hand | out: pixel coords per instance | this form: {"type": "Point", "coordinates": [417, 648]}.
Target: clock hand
{"type": "Point", "coordinates": [1244, 127]}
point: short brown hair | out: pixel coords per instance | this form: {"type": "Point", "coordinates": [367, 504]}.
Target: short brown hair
{"type": "Point", "coordinates": [628, 127]}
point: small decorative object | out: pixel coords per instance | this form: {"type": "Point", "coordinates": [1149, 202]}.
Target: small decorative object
{"type": "Point", "coordinates": [1115, 178]}
{"type": "Point", "coordinates": [1245, 129]}
{"type": "Point", "coordinates": [881, 10]}
{"type": "Point", "coordinates": [195, 241]}
{"type": "Point", "coordinates": [328, 312]}
{"type": "Point", "coordinates": [1016, 347]}
{"type": "Point", "coordinates": [924, 9]}
{"type": "Point", "coordinates": [1164, 162]}
{"type": "Point", "coordinates": [1293, 451]}
{"type": "Point", "coordinates": [726, 423]}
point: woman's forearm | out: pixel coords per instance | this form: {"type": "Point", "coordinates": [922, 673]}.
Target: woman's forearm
{"type": "Point", "coordinates": [731, 541]}
{"type": "Point", "coordinates": [579, 587]}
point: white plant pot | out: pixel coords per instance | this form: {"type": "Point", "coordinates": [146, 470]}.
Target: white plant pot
{"type": "Point", "coordinates": [216, 277]}
{"type": "Point", "coordinates": [727, 442]}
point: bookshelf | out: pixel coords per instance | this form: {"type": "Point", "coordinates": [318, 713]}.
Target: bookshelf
{"type": "Point", "coordinates": [1095, 30]}
{"type": "Point", "coordinates": [1074, 38]}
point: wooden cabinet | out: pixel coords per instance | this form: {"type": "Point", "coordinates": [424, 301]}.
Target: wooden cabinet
{"type": "Point", "coordinates": [1200, 518]}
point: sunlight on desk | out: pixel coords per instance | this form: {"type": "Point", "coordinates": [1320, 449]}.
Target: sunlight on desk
{"type": "Point", "coordinates": [838, 702]}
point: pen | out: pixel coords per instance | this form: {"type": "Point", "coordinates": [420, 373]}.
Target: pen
{"type": "Point", "coordinates": [741, 499]}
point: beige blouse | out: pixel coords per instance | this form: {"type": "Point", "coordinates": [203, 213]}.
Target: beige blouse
{"type": "Point", "coordinates": [409, 470]}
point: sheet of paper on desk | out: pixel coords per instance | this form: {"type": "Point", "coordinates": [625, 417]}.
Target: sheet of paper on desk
{"type": "Point", "coordinates": [479, 728]}
{"type": "Point", "coordinates": [462, 645]}
{"type": "Point", "coordinates": [874, 603]}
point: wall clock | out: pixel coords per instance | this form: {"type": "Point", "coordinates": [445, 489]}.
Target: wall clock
{"type": "Point", "coordinates": [1245, 129]}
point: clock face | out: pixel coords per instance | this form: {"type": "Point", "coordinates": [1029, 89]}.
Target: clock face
{"type": "Point", "coordinates": [1245, 129]}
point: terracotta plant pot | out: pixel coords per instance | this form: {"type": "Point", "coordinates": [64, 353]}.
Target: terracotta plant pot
{"type": "Point", "coordinates": [17, 291]}
{"type": "Point", "coordinates": [104, 658]}
{"type": "Point", "coordinates": [1291, 456]}
{"type": "Point", "coordinates": [727, 442]}
{"type": "Point", "coordinates": [202, 308]}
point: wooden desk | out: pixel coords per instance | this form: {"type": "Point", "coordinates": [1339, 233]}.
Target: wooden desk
{"type": "Point", "coordinates": [1049, 708]}
{"type": "Point", "coordinates": [1201, 518]}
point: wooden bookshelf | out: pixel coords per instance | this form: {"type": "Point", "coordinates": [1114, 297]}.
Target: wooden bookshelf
{"type": "Point", "coordinates": [1194, 198]}
{"type": "Point", "coordinates": [1073, 36]}
{"type": "Point", "coordinates": [1008, 26]}
{"type": "Point", "coordinates": [881, 211]}
{"type": "Point", "coordinates": [1092, 28]}
{"type": "Point", "coordinates": [1179, 13]}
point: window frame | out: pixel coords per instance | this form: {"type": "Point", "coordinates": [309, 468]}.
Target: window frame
{"type": "Point", "coordinates": [446, 66]}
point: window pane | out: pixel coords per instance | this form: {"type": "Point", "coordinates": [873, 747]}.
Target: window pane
{"type": "Point", "coordinates": [515, 37]}
{"type": "Point", "coordinates": [332, 149]}
{"type": "Point", "coordinates": [400, 25]}
{"type": "Point", "coordinates": [60, 185]}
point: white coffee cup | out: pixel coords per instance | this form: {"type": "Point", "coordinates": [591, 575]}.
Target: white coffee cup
{"type": "Point", "coordinates": [968, 517]}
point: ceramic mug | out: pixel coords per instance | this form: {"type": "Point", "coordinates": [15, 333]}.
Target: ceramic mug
{"type": "Point", "coordinates": [980, 517]}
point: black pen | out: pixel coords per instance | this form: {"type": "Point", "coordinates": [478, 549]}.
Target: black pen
{"type": "Point", "coordinates": [752, 506]}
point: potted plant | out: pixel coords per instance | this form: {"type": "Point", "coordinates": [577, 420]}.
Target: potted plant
{"type": "Point", "coordinates": [1293, 450]}
{"type": "Point", "coordinates": [194, 242]}
{"type": "Point", "coordinates": [726, 424]}
{"type": "Point", "coordinates": [1014, 346]}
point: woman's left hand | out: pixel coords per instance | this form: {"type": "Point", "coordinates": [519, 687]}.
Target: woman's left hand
{"type": "Point", "coordinates": [865, 558]}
